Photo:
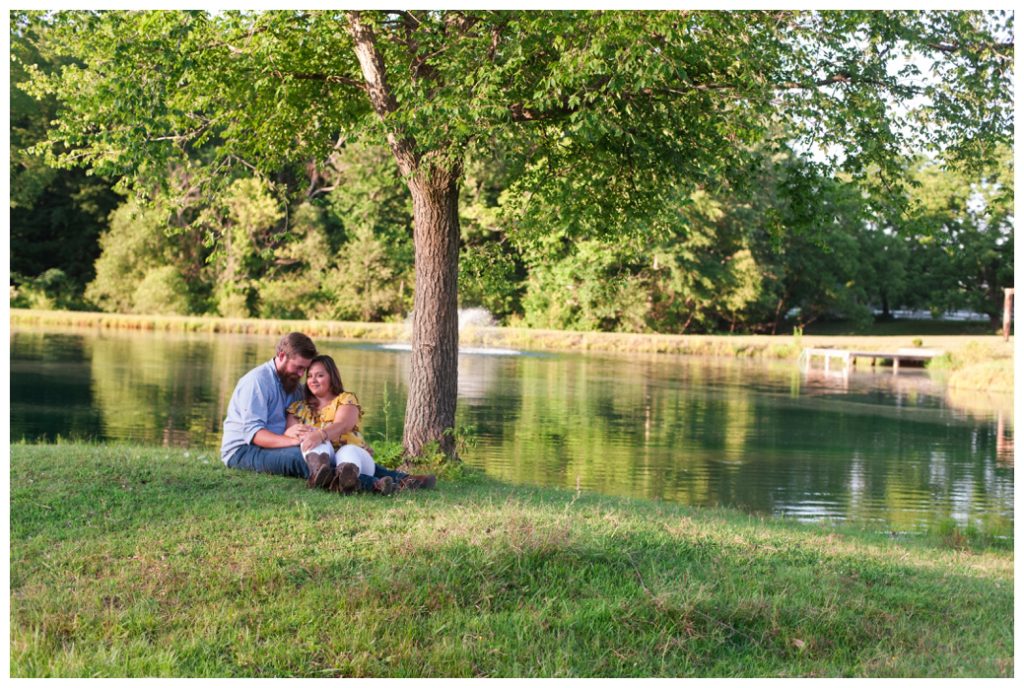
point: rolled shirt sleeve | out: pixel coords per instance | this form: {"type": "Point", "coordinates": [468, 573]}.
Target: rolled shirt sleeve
{"type": "Point", "coordinates": [256, 416]}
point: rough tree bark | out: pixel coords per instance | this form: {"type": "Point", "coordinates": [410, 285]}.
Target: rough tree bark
{"type": "Point", "coordinates": [433, 378]}
{"type": "Point", "coordinates": [433, 375]}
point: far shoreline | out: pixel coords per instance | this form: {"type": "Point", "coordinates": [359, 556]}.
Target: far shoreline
{"type": "Point", "coordinates": [779, 346]}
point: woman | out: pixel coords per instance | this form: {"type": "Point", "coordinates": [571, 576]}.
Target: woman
{"type": "Point", "coordinates": [343, 461]}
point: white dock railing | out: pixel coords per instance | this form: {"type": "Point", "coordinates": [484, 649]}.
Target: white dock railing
{"type": "Point", "coordinates": [849, 357]}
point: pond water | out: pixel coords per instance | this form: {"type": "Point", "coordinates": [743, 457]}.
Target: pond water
{"type": "Point", "coordinates": [896, 451]}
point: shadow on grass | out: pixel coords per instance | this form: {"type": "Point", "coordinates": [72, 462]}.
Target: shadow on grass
{"type": "Point", "coordinates": [123, 564]}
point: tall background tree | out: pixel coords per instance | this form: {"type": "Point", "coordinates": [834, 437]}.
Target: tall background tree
{"type": "Point", "coordinates": [56, 214]}
{"type": "Point", "coordinates": [959, 234]}
{"type": "Point", "coordinates": [603, 118]}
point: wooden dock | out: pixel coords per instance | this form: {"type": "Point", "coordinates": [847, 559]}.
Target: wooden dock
{"type": "Point", "coordinates": [849, 357]}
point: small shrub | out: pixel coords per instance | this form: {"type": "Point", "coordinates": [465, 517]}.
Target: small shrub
{"type": "Point", "coordinates": [942, 362]}
{"type": "Point", "coordinates": [388, 454]}
{"type": "Point", "coordinates": [52, 290]}
{"type": "Point", "coordinates": [288, 299]}
{"type": "Point", "coordinates": [785, 351]}
{"type": "Point", "coordinates": [433, 460]}
{"type": "Point", "coordinates": [950, 534]}
{"type": "Point", "coordinates": [162, 291]}
{"type": "Point", "coordinates": [232, 303]}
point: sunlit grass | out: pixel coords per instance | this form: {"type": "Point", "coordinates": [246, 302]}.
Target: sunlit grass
{"type": "Point", "coordinates": [990, 376]}
{"type": "Point", "coordinates": [129, 561]}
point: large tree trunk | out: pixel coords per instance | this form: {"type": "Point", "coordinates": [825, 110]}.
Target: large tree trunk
{"type": "Point", "coordinates": [886, 312]}
{"type": "Point", "coordinates": [433, 379]}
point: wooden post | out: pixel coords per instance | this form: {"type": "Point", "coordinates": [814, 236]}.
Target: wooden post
{"type": "Point", "coordinates": [1007, 312]}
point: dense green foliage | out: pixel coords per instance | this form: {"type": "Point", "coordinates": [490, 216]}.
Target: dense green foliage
{"type": "Point", "coordinates": [726, 261]}
{"type": "Point", "coordinates": [56, 216]}
{"type": "Point", "coordinates": [136, 561]}
{"type": "Point", "coordinates": [554, 234]}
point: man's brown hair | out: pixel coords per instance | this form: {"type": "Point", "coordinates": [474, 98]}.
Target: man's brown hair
{"type": "Point", "coordinates": [297, 343]}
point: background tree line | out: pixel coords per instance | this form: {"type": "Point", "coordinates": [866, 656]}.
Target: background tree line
{"type": "Point", "coordinates": [332, 239]}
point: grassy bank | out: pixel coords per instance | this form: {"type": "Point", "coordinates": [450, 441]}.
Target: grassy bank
{"type": "Point", "coordinates": [991, 376]}
{"type": "Point", "coordinates": [129, 561]}
{"type": "Point", "coordinates": [788, 346]}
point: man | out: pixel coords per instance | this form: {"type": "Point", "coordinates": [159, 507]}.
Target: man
{"type": "Point", "coordinates": [255, 434]}
{"type": "Point", "coordinates": [255, 437]}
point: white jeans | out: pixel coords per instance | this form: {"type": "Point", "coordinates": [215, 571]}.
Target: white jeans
{"type": "Point", "coordinates": [348, 453]}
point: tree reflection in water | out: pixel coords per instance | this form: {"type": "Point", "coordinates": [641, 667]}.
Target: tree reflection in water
{"type": "Point", "coordinates": [898, 450]}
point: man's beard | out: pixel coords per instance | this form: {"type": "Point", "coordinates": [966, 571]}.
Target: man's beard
{"type": "Point", "coordinates": [290, 384]}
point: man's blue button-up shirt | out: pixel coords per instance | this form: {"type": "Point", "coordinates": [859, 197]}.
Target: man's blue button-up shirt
{"type": "Point", "coordinates": [259, 401]}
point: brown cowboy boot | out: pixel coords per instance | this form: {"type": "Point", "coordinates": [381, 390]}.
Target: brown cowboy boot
{"type": "Point", "coordinates": [418, 482]}
{"type": "Point", "coordinates": [385, 486]}
{"type": "Point", "coordinates": [346, 478]}
{"type": "Point", "coordinates": [320, 472]}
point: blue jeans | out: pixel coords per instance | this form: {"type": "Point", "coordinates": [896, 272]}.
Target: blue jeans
{"type": "Point", "coordinates": [283, 461]}
{"type": "Point", "coordinates": [366, 482]}
{"type": "Point", "coordinates": [289, 461]}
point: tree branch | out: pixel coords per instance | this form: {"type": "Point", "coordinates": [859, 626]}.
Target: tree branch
{"type": "Point", "coordinates": [382, 100]}
{"type": "Point", "coordinates": [417, 63]}
{"type": "Point", "coordinates": [182, 137]}
{"type": "Point", "coordinates": [521, 113]}
{"type": "Point", "coordinates": [949, 48]}
{"type": "Point", "coordinates": [371, 62]}
{"type": "Point", "coordinates": [460, 21]}
{"type": "Point", "coordinates": [319, 76]}
{"type": "Point", "coordinates": [492, 51]}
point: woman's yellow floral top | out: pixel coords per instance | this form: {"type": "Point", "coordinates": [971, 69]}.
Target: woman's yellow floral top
{"type": "Point", "coordinates": [321, 418]}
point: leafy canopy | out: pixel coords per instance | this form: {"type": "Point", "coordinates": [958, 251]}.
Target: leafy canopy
{"type": "Point", "coordinates": [603, 111]}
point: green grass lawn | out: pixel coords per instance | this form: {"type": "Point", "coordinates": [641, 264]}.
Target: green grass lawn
{"type": "Point", "coordinates": [128, 561]}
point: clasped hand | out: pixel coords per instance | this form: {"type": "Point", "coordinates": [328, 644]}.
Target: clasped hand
{"type": "Point", "coordinates": [298, 431]}
{"type": "Point", "coordinates": [307, 435]}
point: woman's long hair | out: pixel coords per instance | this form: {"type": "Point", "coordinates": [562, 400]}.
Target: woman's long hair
{"type": "Point", "coordinates": [332, 373]}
